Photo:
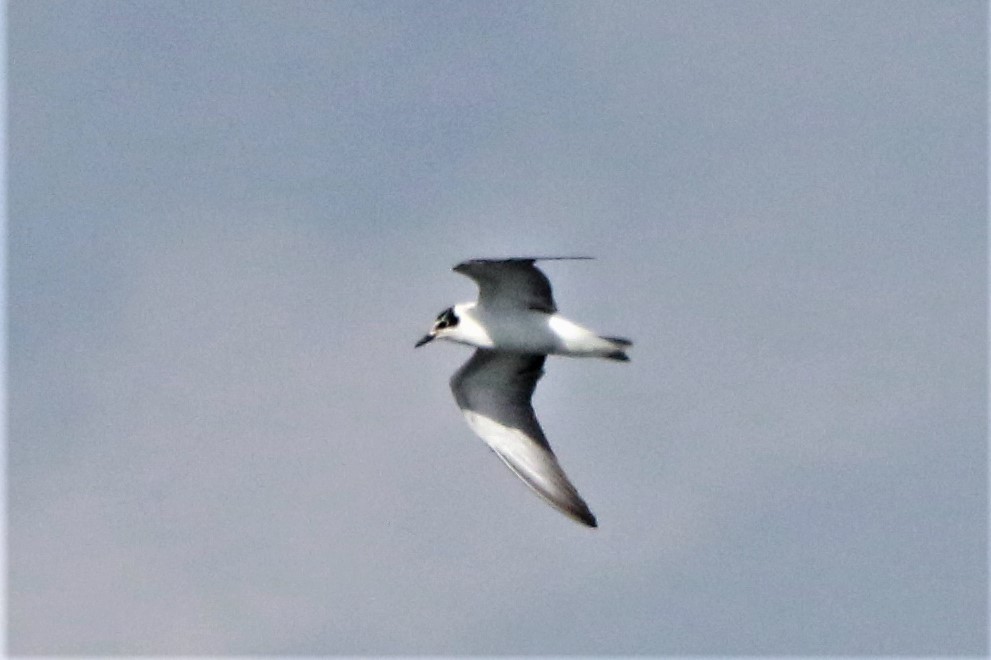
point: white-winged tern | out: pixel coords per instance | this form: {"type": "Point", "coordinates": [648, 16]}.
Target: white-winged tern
{"type": "Point", "coordinates": [515, 325]}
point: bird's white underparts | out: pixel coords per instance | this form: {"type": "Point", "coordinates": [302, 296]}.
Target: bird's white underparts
{"type": "Point", "coordinates": [515, 325]}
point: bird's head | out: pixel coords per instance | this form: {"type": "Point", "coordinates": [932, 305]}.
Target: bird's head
{"type": "Point", "coordinates": [445, 323]}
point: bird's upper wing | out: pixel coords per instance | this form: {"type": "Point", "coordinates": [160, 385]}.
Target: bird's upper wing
{"type": "Point", "coordinates": [493, 390]}
{"type": "Point", "coordinates": [513, 283]}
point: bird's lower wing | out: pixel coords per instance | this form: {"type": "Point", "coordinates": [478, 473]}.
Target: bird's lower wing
{"type": "Point", "coordinates": [493, 390]}
{"type": "Point", "coordinates": [535, 465]}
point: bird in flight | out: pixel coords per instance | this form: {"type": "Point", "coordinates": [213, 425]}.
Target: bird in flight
{"type": "Point", "coordinates": [514, 326]}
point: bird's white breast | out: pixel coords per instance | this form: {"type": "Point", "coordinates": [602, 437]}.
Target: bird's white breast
{"type": "Point", "coordinates": [520, 330]}
{"type": "Point", "coordinates": [524, 331]}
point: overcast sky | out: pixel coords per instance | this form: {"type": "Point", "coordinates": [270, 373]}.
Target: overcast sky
{"type": "Point", "coordinates": [230, 221]}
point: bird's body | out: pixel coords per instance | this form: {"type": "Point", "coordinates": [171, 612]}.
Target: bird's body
{"type": "Point", "coordinates": [515, 325]}
{"type": "Point", "coordinates": [529, 331]}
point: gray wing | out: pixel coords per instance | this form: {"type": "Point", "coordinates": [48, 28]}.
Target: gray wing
{"type": "Point", "coordinates": [511, 282]}
{"type": "Point", "coordinates": [493, 390]}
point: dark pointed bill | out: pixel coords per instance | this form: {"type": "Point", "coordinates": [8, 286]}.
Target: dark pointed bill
{"type": "Point", "coordinates": [425, 339]}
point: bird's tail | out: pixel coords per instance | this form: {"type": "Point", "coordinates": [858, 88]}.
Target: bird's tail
{"type": "Point", "coordinates": [621, 345]}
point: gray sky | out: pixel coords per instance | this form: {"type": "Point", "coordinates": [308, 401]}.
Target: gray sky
{"type": "Point", "coordinates": [229, 222]}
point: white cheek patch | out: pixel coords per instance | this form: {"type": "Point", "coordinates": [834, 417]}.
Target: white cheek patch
{"type": "Point", "coordinates": [468, 331]}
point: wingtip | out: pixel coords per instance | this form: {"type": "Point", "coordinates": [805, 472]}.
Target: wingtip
{"type": "Point", "coordinates": [580, 513]}
{"type": "Point", "coordinates": [576, 258]}
{"type": "Point", "coordinates": [520, 259]}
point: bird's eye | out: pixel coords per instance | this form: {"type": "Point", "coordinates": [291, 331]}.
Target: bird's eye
{"type": "Point", "coordinates": [446, 319]}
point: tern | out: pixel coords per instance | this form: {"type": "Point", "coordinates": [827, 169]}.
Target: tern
{"type": "Point", "coordinates": [514, 326]}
